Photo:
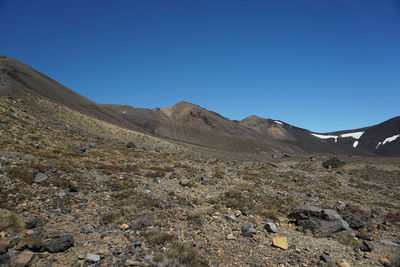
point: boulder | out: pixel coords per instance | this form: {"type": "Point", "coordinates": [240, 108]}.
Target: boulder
{"type": "Point", "coordinates": [322, 222]}
{"type": "Point", "coordinates": [59, 244]}
{"type": "Point", "coordinates": [333, 163]}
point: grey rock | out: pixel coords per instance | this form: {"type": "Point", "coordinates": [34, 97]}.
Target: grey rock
{"type": "Point", "coordinates": [40, 177]}
{"type": "Point", "coordinates": [333, 163]}
{"type": "Point", "coordinates": [389, 243]}
{"type": "Point", "coordinates": [79, 149]}
{"type": "Point", "coordinates": [270, 227]}
{"type": "Point", "coordinates": [319, 221]}
{"type": "Point", "coordinates": [92, 257]}
{"type": "Point", "coordinates": [232, 218]}
{"type": "Point", "coordinates": [37, 146]}
{"type": "Point", "coordinates": [158, 149]}
{"type": "Point", "coordinates": [248, 230]}
{"type": "Point", "coordinates": [358, 220]}
{"type": "Point", "coordinates": [59, 244]}
{"type": "Point", "coordinates": [92, 145]}
{"type": "Point", "coordinates": [87, 229]}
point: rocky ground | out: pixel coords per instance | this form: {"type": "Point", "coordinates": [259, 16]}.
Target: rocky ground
{"type": "Point", "coordinates": [71, 197]}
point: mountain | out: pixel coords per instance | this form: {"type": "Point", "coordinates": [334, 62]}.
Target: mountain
{"type": "Point", "coordinates": [192, 124]}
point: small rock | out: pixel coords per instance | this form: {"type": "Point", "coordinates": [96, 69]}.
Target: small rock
{"type": "Point", "coordinates": [344, 263]}
{"type": "Point", "coordinates": [366, 246]}
{"type": "Point", "coordinates": [124, 226]}
{"type": "Point", "coordinates": [230, 237]}
{"type": "Point", "coordinates": [232, 218]}
{"type": "Point", "coordinates": [184, 182]}
{"type": "Point", "coordinates": [40, 177]}
{"type": "Point", "coordinates": [280, 242]}
{"type": "Point", "coordinates": [384, 261]}
{"type": "Point", "coordinates": [158, 149]}
{"type": "Point", "coordinates": [79, 149]}
{"type": "Point", "coordinates": [270, 227]}
{"type": "Point", "coordinates": [37, 146]}
{"type": "Point", "coordinates": [248, 230]}
{"type": "Point", "coordinates": [73, 186]}
{"type": "Point", "coordinates": [87, 229]}
{"type": "Point", "coordinates": [92, 258]}
{"type": "Point", "coordinates": [238, 213]}
{"type": "Point", "coordinates": [326, 258]}
{"type": "Point", "coordinates": [132, 263]}
{"type": "Point", "coordinates": [130, 145]}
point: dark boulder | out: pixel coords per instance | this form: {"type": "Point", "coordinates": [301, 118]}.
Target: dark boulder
{"type": "Point", "coordinates": [130, 145]}
{"type": "Point", "coordinates": [59, 244]}
{"type": "Point", "coordinates": [322, 222]}
{"type": "Point", "coordinates": [333, 163]}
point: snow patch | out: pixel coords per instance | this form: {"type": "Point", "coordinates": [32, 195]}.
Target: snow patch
{"type": "Point", "coordinates": [355, 135]}
{"type": "Point", "coordinates": [390, 139]}
{"type": "Point", "coordinates": [124, 112]}
{"type": "Point", "coordinates": [355, 144]}
{"type": "Point", "coordinates": [378, 145]}
{"type": "Point", "coordinates": [326, 136]}
{"type": "Point", "coordinates": [278, 122]}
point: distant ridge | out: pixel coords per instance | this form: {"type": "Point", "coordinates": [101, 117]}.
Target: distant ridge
{"type": "Point", "coordinates": [193, 124]}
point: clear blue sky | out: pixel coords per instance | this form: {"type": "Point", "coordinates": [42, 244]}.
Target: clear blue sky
{"type": "Point", "coordinates": [321, 65]}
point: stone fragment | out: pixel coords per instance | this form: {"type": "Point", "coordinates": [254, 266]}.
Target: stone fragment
{"type": "Point", "coordinates": [344, 263]}
{"type": "Point", "coordinates": [270, 227]}
{"type": "Point", "coordinates": [79, 149]}
{"type": "Point", "coordinates": [130, 145]}
{"type": "Point", "coordinates": [73, 186]}
{"type": "Point", "coordinates": [366, 246]}
{"type": "Point", "coordinates": [384, 261]}
{"type": "Point", "coordinates": [92, 258]}
{"type": "Point", "coordinates": [230, 237]}
{"type": "Point", "coordinates": [184, 182]}
{"type": "Point", "coordinates": [40, 177]}
{"type": "Point", "coordinates": [124, 226]}
{"type": "Point", "coordinates": [248, 230]}
{"type": "Point", "coordinates": [280, 242]}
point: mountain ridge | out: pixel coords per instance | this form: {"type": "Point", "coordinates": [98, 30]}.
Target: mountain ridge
{"type": "Point", "coordinates": [193, 124]}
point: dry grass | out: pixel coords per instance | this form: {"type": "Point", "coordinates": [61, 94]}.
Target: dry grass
{"type": "Point", "coordinates": [10, 222]}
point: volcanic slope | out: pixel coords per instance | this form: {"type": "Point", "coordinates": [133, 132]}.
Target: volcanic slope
{"type": "Point", "coordinates": [70, 196]}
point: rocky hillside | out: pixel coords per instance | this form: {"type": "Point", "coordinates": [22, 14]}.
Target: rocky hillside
{"type": "Point", "coordinates": [192, 124]}
{"type": "Point", "coordinates": [76, 191]}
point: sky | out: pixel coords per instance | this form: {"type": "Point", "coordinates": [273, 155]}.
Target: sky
{"type": "Point", "coordinates": [320, 65]}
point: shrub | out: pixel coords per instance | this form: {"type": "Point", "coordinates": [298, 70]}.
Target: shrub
{"type": "Point", "coordinates": [10, 222]}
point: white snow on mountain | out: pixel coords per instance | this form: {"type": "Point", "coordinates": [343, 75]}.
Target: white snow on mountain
{"type": "Point", "coordinates": [390, 139]}
{"type": "Point", "coordinates": [378, 145]}
{"type": "Point", "coordinates": [278, 122]}
{"type": "Point", "coordinates": [355, 135]}
{"type": "Point", "coordinates": [326, 136]}
{"type": "Point", "coordinates": [355, 144]}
